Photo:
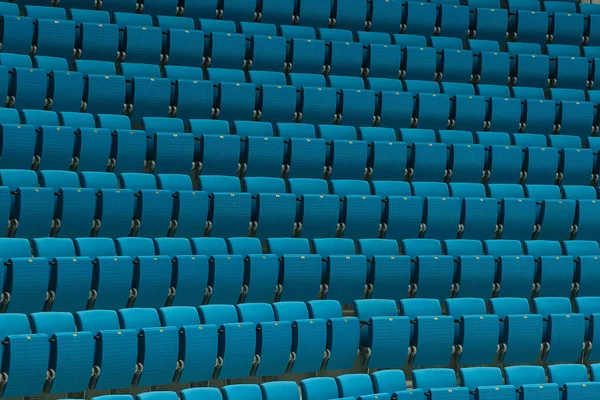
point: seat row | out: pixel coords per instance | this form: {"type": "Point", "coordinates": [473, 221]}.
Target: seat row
{"type": "Point", "coordinates": [189, 344]}
{"type": "Point", "coordinates": [58, 352]}
{"type": "Point", "coordinates": [97, 204]}
{"type": "Point", "coordinates": [100, 273]}
{"type": "Point", "coordinates": [481, 383]}
{"type": "Point", "coordinates": [549, 330]}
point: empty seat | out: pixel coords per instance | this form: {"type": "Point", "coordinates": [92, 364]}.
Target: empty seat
{"type": "Point", "coordinates": [217, 151]}
{"type": "Point", "coordinates": [27, 279]}
{"type": "Point", "coordinates": [517, 215]}
{"type": "Point", "coordinates": [476, 338]}
{"type": "Point", "coordinates": [475, 273]}
{"type": "Point", "coordinates": [70, 288]}
{"type": "Point", "coordinates": [114, 274]}
{"type": "Point", "coordinates": [563, 332]}
{"type": "Point", "coordinates": [584, 254]}
{"type": "Point", "coordinates": [426, 317]}
{"type": "Point", "coordinates": [306, 55]}
{"type": "Point", "coordinates": [229, 209]}
{"type": "Point", "coordinates": [515, 271]}
{"type": "Point", "coordinates": [74, 206]}
{"type": "Point", "coordinates": [438, 225]}
{"type": "Point", "coordinates": [573, 378]}
{"type": "Point", "coordinates": [309, 336]}
{"type": "Point", "coordinates": [419, 18]}
{"type": "Point", "coordinates": [567, 68]}
{"type": "Point", "coordinates": [588, 306]}
{"type": "Point", "coordinates": [273, 340]}
{"type": "Point", "coordinates": [520, 331]}
{"type": "Point", "coordinates": [261, 153]}
{"type": "Point", "coordinates": [360, 212]}
{"type": "Point", "coordinates": [318, 211]}
{"type": "Point", "coordinates": [299, 270]}
{"type": "Point", "coordinates": [159, 348]}
{"type": "Point", "coordinates": [344, 273]}
{"type": "Point", "coordinates": [32, 208]}
{"type": "Point", "coordinates": [225, 271]}
{"type": "Point", "coordinates": [486, 382]}
{"type": "Point", "coordinates": [190, 272]}
{"type": "Point", "coordinates": [152, 274]}
{"type": "Point", "coordinates": [274, 210]}
{"type": "Point", "coordinates": [26, 356]}
{"type": "Point", "coordinates": [235, 101]}
{"type": "Point", "coordinates": [343, 333]}
{"type": "Point", "coordinates": [72, 354]}
{"type": "Point", "coordinates": [97, 40]}
{"type": "Point", "coordinates": [555, 216]}
{"type": "Point", "coordinates": [199, 359]}
{"type": "Point", "coordinates": [388, 273]}
{"type": "Point", "coordinates": [170, 149]}
{"type": "Point", "coordinates": [431, 272]}
{"type": "Point", "coordinates": [305, 154]}
{"type": "Point", "coordinates": [379, 317]}
{"type": "Point", "coordinates": [53, 37]}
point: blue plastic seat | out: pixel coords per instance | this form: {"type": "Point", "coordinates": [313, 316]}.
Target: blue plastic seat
{"type": "Point", "coordinates": [563, 332]}
{"type": "Point", "coordinates": [584, 253]}
{"type": "Point", "coordinates": [529, 381]}
{"type": "Point", "coordinates": [419, 18]}
{"type": "Point", "coordinates": [344, 272]}
{"type": "Point", "coordinates": [189, 274]}
{"type": "Point", "coordinates": [97, 40]}
{"type": "Point", "coordinates": [588, 306]}
{"type": "Point", "coordinates": [318, 211]}
{"type": "Point", "coordinates": [418, 63]}
{"type": "Point", "coordinates": [438, 225]}
{"type": "Point", "coordinates": [298, 266]}
{"type": "Point", "coordinates": [26, 356]}
{"type": "Point", "coordinates": [555, 219]}
{"type": "Point", "coordinates": [225, 271]}
{"type": "Point", "coordinates": [306, 55]}
{"type": "Point", "coordinates": [515, 271]}
{"type": "Point", "coordinates": [27, 277]}
{"type": "Point", "coordinates": [476, 334]}
{"type": "Point", "coordinates": [528, 66]}
{"type": "Point", "coordinates": [426, 317]}
{"type": "Point", "coordinates": [70, 288]}
{"type": "Point", "coordinates": [112, 287]}
{"type": "Point", "coordinates": [261, 153]}
{"type": "Point", "coordinates": [520, 331]}
{"type": "Point", "coordinates": [11, 21]}
{"type": "Point", "coordinates": [158, 351]}
{"type": "Point", "coordinates": [235, 353]}
{"type": "Point", "coordinates": [378, 317]}
{"type": "Point", "coordinates": [343, 333]}
{"type": "Point", "coordinates": [567, 68]}
{"type": "Point", "coordinates": [217, 151]}
{"type": "Point", "coordinates": [235, 101]}
{"type": "Point", "coordinates": [475, 272]}
{"type": "Point", "coordinates": [431, 272]}
{"type": "Point", "coordinates": [384, 16]}
{"type": "Point", "coordinates": [386, 156]}
{"type": "Point", "coordinates": [554, 272]}
{"type": "Point", "coordinates": [489, 23]}
{"type": "Point", "coordinates": [273, 390]}
{"type": "Point", "coordinates": [539, 116]}
{"type": "Point", "coordinates": [304, 153]}
{"type": "Point", "coordinates": [67, 349]}
{"type": "Point", "coordinates": [152, 274]}
{"type": "Point", "coordinates": [360, 212]}
{"type": "Point", "coordinates": [395, 109]}
{"type": "Point", "coordinates": [261, 271]}
{"type": "Point", "coordinates": [347, 157]}
{"type": "Point", "coordinates": [486, 383]}
{"type": "Point", "coordinates": [309, 336]}
{"type": "Point", "coordinates": [402, 213]}
{"type": "Point", "coordinates": [383, 60]}
{"type": "Point", "coordinates": [517, 215]}
{"type": "Point", "coordinates": [229, 210]}
{"type": "Point", "coordinates": [74, 206]}
{"type": "Point", "coordinates": [192, 98]}
{"type": "Point", "coordinates": [573, 378]}
{"type": "Point", "coordinates": [199, 360]}
{"type": "Point", "coordinates": [313, 13]}
{"type": "Point", "coordinates": [566, 27]}
{"type": "Point", "coordinates": [32, 208]}
{"type": "Point", "coordinates": [53, 37]}
{"type": "Point", "coordinates": [274, 210]}
{"type": "Point", "coordinates": [273, 342]}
